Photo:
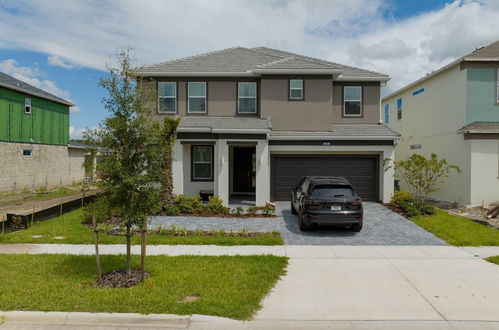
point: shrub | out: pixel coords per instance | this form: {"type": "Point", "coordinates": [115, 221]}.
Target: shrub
{"type": "Point", "coordinates": [102, 212]}
{"type": "Point", "coordinates": [268, 209]}
{"type": "Point", "coordinates": [252, 210]}
{"type": "Point", "coordinates": [215, 205]}
{"type": "Point", "coordinates": [172, 210]}
{"type": "Point", "coordinates": [401, 196]}
{"type": "Point", "coordinates": [238, 211]}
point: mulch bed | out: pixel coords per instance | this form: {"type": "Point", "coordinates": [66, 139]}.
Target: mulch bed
{"type": "Point", "coordinates": [119, 279]}
{"type": "Point", "coordinates": [222, 215]}
{"type": "Point", "coordinates": [207, 233]}
{"type": "Point", "coordinates": [395, 209]}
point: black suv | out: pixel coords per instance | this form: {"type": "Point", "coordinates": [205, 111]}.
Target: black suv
{"type": "Point", "coordinates": [328, 201]}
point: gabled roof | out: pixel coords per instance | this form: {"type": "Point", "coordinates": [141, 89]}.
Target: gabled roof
{"type": "Point", "coordinates": [20, 86]}
{"type": "Point", "coordinates": [487, 53]}
{"type": "Point", "coordinates": [375, 131]}
{"type": "Point", "coordinates": [250, 62]}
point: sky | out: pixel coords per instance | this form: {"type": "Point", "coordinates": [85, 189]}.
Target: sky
{"type": "Point", "coordinates": [63, 46]}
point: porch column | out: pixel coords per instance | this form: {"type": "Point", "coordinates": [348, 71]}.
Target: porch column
{"type": "Point", "coordinates": [387, 177]}
{"type": "Point", "coordinates": [177, 168]}
{"type": "Point", "coordinates": [262, 173]}
{"type": "Point", "coordinates": [222, 170]}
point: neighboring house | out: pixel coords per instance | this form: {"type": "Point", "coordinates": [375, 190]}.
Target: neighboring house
{"type": "Point", "coordinates": [34, 136]}
{"type": "Point", "coordinates": [256, 120]}
{"type": "Point", "coordinates": [454, 113]}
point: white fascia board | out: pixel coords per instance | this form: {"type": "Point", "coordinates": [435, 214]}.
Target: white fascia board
{"type": "Point", "coordinates": [196, 74]}
{"type": "Point", "coordinates": [481, 59]}
{"type": "Point", "coordinates": [22, 90]}
{"type": "Point", "coordinates": [380, 79]}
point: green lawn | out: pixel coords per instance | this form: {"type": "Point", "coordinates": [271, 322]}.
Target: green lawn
{"type": "Point", "coordinates": [494, 260]}
{"type": "Point", "coordinates": [70, 228]}
{"type": "Point", "coordinates": [457, 230]}
{"type": "Point", "coordinates": [227, 286]}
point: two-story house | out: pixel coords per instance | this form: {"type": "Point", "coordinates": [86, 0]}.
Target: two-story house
{"type": "Point", "coordinates": [256, 120]}
{"type": "Point", "coordinates": [34, 139]}
{"type": "Point", "coordinates": [454, 113]}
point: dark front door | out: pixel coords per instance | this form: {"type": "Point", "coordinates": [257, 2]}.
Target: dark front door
{"type": "Point", "coordinates": [244, 169]}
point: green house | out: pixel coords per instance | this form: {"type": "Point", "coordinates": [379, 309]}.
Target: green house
{"type": "Point", "coordinates": [31, 115]}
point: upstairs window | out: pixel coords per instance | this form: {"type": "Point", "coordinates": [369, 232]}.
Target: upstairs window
{"type": "Point", "coordinates": [399, 109]}
{"type": "Point", "coordinates": [352, 101]}
{"type": "Point", "coordinates": [296, 89]}
{"type": "Point", "coordinates": [497, 85]}
{"type": "Point", "coordinates": [167, 93]}
{"type": "Point", "coordinates": [202, 163]}
{"type": "Point", "coordinates": [246, 98]}
{"type": "Point", "coordinates": [27, 106]}
{"type": "Point", "coordinates": [196, 102]}
{"type": "Point", "coordinates": [387, 114]}
{"type": "Point", "coordinates": [27, 153]}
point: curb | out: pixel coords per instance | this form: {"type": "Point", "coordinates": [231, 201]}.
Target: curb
{"type": "Point", "coordinates": [82, 318]}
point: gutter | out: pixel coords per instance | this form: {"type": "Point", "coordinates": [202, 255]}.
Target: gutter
{"type": "Point", "coordinates": [333, 137]}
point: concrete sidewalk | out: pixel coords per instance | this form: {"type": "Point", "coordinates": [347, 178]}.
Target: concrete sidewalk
{"type": "Point", "coordinates": [292, 251]}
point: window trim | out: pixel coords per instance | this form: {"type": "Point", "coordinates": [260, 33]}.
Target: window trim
{"type": "Point", "coordinates": [361, 114]}
{"type": "Point", "coordinates": [193, 179]}
{"type": "Point", "coordinates": [302, 89]}
{"type": "Point", "coordinates": [168, 97]}
{"type": "Point", "coordinates": [27, 105]}
{"type": "Point", "coordinates": [247, 97]}
{"type": "Point", "coordinates": [205, 97]}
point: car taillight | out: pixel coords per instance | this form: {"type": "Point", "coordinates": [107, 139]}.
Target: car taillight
{"type": "Point", "coordinates": [355, 204]}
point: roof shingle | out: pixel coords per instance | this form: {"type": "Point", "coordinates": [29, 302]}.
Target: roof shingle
{"type": "Point", "coordinates": [16, 84]}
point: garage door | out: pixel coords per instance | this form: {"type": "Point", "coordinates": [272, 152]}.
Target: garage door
{"type": "Point", "coordinates": [361, 171]}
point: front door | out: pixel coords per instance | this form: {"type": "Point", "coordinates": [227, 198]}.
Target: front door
{"type": "Point", "coordinates": [244, 169]}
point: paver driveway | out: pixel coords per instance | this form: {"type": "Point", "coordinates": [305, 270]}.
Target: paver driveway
{"type": "Point", "coordinates": [381, 227]}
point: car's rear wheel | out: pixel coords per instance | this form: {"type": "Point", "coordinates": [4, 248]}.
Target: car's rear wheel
{"type": "Point", "coordinates": [302, 225]}
{"type": "Point", "coordinates": [356, 227]}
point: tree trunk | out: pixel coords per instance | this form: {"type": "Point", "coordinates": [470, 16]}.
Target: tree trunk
{"type": "Point", "coordinates": [143, 246]}
{"type": "Point", "coordinates": [128, 250]}
{"type": "Point", "coordinates": [96, 242]}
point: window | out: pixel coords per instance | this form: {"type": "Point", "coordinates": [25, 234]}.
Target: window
{"type": "Point", "coordinates": [352, 101]}
{"type": "Point", "coordinates": [296, 89]}
{"type": "Point", "coordinates": [27, 153]}
{"type": "Point", "coordinates": [399, 109]}
{"type": "Point", "coordinates": [27, 106]}
{"type": "Point", "coordinates": [387, 114]}
{"type": "Point", "coordinates": [331, 191]}
{"type": "Point", "coordinates": [415, 146]}
{"type": "Point", "coordinates": [196, 93]}
{"type": "Point", "coordinates": [202, 163]}
{"type": "Point", "coordinates": [246, 100]}
{"type": "Point", "coordinates": [497, 85]}
{"type": "Point", "coordinates": [167, 93]}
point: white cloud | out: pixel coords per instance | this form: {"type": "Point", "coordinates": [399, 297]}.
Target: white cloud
{"type": "Point", "coordinates": [57, 61]}
{"type": "Point", "coordinates": [354, 32]}
{"type": "Point", "coordinates": [33, 77]}
{"type": "Point", "coordinates": [75, 133]}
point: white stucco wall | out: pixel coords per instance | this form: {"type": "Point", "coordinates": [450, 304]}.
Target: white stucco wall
{"type": "Point", "coordinates": [431, 119]}
{"type": "Point", "coordinates": [484, 171]}
{"type": "Point", "coordinates": [50, 166]}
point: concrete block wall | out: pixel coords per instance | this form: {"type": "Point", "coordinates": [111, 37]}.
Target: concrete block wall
{"type": "Point", "coordinates": [49, 166]}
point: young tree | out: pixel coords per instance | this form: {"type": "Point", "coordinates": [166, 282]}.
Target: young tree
{"type": "Point", "coordinates": [424, 175]}
{"type": "Point", "coordinates": [129, 137]}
